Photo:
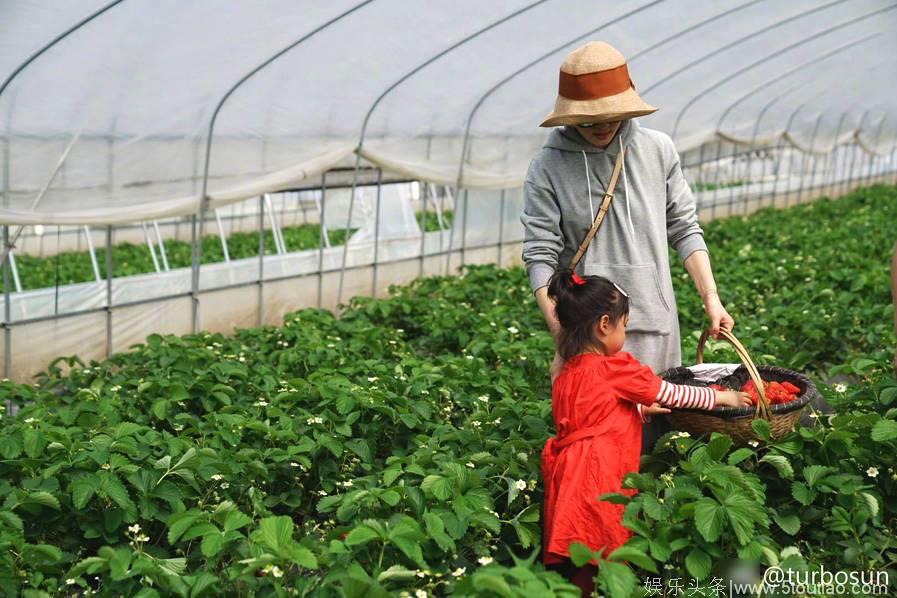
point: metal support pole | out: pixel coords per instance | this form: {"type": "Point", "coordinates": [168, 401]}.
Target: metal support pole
{"type": "Point", "coordinates": [161, 245]}
{"type": "Point", "coordinates": [15, 271]}
{"type": "Point", "coordinates": [149, 244]}
{"type": "Point", "coordinates": [464, 232]}
{"type": "Point", "coordinates": [438, 208]}
{"type": "Point", "coordinates": [324, 238]}
{"type": "Point", "coordinates": [812, 154]}
{"type": "Point", "coordinates": [7, 310]}
{"type": "Point", "coordinates": [501, 225]}
{"type": "Point", "coordinates": [222, 237]}
{"type": "Point", "coordinates": [261, 298]}
{"type": "Point", "coordinates": [848, 185]}
{"type": "Point", "coordinates": [93, 255]}
{"type": "Point", "coordinates": [377, 231]}
{"type": "Point", "coordinates": [275, 230]}
{"type": "Point", "coordinates": [870, 177]}
{"type": "Point", "coordinates": [108, 291]}
{"type": "Point", "coordinates": [423, 229]}
{"type": "Point", "coordinates": [716, 177]}
{"type": "Point", "coordinates": [194, 275]}
{"type": "Point", "coordinates": [834, 155]}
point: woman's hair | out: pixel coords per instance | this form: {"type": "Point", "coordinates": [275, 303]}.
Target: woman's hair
{"type": "Point", "coordinates": [580, 306]}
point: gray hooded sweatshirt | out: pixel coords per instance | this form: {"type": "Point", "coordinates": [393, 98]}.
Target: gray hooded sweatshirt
{"type": "Point", "coordinates": [652, 208]}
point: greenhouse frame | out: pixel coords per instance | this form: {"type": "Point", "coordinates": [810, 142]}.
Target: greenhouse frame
{"type": "Point", "coordinates": [425, 111]}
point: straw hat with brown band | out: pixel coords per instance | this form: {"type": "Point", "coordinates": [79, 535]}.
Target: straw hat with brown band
{"type": "Point", "coordinates": [595, 87]}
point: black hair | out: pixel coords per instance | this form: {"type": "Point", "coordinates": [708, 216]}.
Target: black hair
{"type": "Point", "coordinates": [579, 306]}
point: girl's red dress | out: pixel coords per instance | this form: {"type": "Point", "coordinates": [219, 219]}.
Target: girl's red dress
{"type": "Point", "coordinates": [599, 437]}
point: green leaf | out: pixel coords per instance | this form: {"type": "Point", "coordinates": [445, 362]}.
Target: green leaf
{"type": "Point", "coordinates": [816, 473]}
{"type": "Point", "coordinates": [634, 556]}
{"type": "Point", "coordinates": [175, 566]}
{"type": "Point", "coordinates": [718, 446]}
{"type": "Point", "coordinates": [652, 507]}
{"type": "Point", "coordinates": [580, 554]}
{"type": "Point", "coordinates": [111, 487]}
{"type": "Point", "coordinates": [398, 573]}
{"type": "Point", "coordinates": [302, 556]}
{"type": "Point", "coordinates": [438, 486]}
{"type": "Point", "coordinates": [212, 544]}
{"type": "Point", "coordinates": [235, 520]}
{"type": "Point", "coordinates": [34, 442]}
{"type": "Point", "coordinates": [884, 430]}
{"type": "Point", "coordinates": [781, 463]}
{"type": "Point", "coordinates": [709, 519]}
{"type": "Point", "coordinates": [739, 510]}
{"type": "Point", "coordinates": [871, 503]}
{"type": "Point", "coordinates": [83, 488]}
{"type": "Point", "coordinates": [41, 552]}
{"type": "Point", "coordinates": [42, 498]}
{"type": "Point", "coordinates": [761, 429]}
{"type": "Point", "coordinates": [888, 395]}
{"type": "Point", "coordinates": [411, 549]}
{"type": "Point", "coordinates": [202, 582]}
{"type": "Point", "coordinates": [180, 523]}
{"type": "Point", "coordinates": [739, 455]}
{"type": "Point", "coordinates": [276, 532]}
{"type": "Point", "coordinates": [525, 535]}
{"type": "Point", "coordinates": [361, 535]}
{"type": "Point", "coordinates": [617, 580]}
{"type": "Point", "coordinates": [803, 494]}
{"type": "Point", "coordinates": [10, 447]}
{"type": "Point", "coordinates": [790, 524]}
{"type": "Point", "coordinates": [698, 563]}
{"type": "Point", "coordinates": [491, 582]}
{"type": "Point", "coordinates": [391, 474]}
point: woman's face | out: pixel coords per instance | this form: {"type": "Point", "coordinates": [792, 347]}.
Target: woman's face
{"type": "Point", "coordinates": [600, 135]}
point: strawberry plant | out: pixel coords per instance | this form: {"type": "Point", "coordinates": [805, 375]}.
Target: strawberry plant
{"type": "Point", "coordinates": [395, 450]}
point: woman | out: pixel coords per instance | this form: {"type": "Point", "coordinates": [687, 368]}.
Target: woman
{"type": "Point", "coordinates": [652, 208]}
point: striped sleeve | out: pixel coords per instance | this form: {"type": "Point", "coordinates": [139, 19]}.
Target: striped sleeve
{"type": "Point", "coordinates": [686, 397]}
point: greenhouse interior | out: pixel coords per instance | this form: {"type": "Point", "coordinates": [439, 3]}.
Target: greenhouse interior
{"type": "Point", "coordinates": [267, 329]}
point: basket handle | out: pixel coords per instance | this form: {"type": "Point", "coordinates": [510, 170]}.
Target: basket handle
{"type": "Point", "coordinates": [762, 404]}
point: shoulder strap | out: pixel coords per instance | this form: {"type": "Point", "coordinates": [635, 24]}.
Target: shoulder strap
{"type": "Point", "coordinates": [602, 210]}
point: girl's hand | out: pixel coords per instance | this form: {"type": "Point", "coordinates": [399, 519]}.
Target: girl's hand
{"type": "Point", "coordinates": [719, 317]}
{"type": "Point", "coordinates": [732, 398]}
{"type": "Point", "coordinates": [655, 409]}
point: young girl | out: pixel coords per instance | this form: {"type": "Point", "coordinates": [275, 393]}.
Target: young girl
{"type": "Point", "coordinates": [599, 402]}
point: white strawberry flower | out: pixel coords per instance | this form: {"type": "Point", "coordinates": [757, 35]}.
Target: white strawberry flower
{"type": "Point", "coordinates": [840, 388]}
{"type": "Point", "coordinates": [872, 472]}
{"type": "Point", "coordinates": [485, 560]}
{"type": "Point", "coordinates": [521, 484]}
{"type": "Point", "coordinates": [459, 571]}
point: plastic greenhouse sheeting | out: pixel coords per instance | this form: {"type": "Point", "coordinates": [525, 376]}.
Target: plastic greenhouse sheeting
{"type": "Point", "coordinates": [111, 123]}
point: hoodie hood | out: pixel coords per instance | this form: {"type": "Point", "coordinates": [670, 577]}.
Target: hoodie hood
{"type": "Point", "coordinates": [568, 139]}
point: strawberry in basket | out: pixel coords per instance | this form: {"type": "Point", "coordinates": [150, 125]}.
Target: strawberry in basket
{"type": "Point", "coordinates": [775, 392]}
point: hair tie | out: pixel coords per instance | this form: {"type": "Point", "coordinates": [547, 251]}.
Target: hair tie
{"type": "Point", "coordinates": [576, 279]}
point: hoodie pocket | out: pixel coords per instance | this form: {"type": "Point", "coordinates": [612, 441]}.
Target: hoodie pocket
{"type": "Point", "coordinates": [649, 309]}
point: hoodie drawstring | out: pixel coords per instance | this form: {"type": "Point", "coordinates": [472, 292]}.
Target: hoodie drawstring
{"type": "Point", "coordinates": [626, 190]}
{"type": "Point", "coordinates": [589, 185]}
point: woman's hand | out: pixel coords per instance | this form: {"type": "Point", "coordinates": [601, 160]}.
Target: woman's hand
{"type": "Point", "coordinates": [556, 366]}
{"type": "Point", "coordinates": [719, 317]}
{"type": "Point", "coordinates": [732, 398]}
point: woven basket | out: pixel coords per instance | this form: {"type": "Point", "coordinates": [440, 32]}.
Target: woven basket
{"type": "Point", "coordinates": [736, 421]}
